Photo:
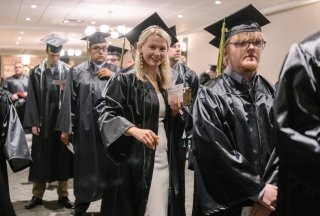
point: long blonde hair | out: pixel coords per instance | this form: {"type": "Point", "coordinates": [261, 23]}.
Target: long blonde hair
{"type": "Point", "coordinates": [164, 70]}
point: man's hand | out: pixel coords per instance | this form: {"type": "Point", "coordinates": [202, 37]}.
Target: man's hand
{"type": "Point", "coordinates": [35, 131]}
{"type": "Point", "coordinates": [269, 197]}
{"type": "Point", "coordinates": [145, 136]}
{"type": "Point", "coordinates": [14, 97]}
{"type": "Point", "coordinates": [104, 72]}
{"type": "Point", "coordinates": [175, 105]}
{"type": "Point", "coordinates": [65, 138]}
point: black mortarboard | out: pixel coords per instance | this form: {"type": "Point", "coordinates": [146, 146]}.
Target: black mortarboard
{"type": "Point", "coordinates": [173, 30]}
{"type": "Point", "coordinates": [248, 19]}
{"type": "Point", "coordinates": [213, 67]}
{"type": "Point", "coordinates": [54, 43]}
{"type": "Point", "coordinates": [154, 19]}
{"type": "Point", "coordinates": [113, 50]}
{"type": "Point", "coordinates": [95, 38]}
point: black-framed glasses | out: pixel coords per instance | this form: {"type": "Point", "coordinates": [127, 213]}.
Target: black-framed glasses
{"type": "Point", "coordinates": [99, 49]}
{"type": "Point", "coordinates": [245, 44]}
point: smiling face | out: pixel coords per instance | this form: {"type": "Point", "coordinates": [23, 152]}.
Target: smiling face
{"type": "Point", "coordinates": [241, 53]}
{"type": "Point", "coordinates": [154, 51]}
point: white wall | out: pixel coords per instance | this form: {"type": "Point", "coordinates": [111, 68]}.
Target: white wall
{"type": "Point", "coordinates": [285, 28]}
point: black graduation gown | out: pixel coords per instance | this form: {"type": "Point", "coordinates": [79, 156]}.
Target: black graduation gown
{"type": "Point", "coordinates": [233, 142]}
{"type": "Point", "coordinates": [83, 89]}
{"type": "Point", "coordinates": [297, 115]}
{"type": "Point", "coordinates": [52, 161]}
{"type": "Point", "coordinates": [128, 102]}
{"type": "Point", "coordinates": [183, 74]}
{"type": "Point", "coordinates": [13, 85]}
{"type": "Point", "coordinates": [14, 149]}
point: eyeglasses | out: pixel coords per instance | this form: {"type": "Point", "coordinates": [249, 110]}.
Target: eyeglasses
{"type": "Point", "coordinates": [99, 49]}
{"type": "Point", "coordinates": [245, 44]}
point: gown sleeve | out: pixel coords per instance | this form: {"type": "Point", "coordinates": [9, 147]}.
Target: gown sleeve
{"type": "Point", "coordinates": [298, 116]}
{"type": "Point", "coordinates": [15, 143]}
{"type": "Point", "coordinates": [112, 112]}
{"type": "Point", "coordinates": [64, 121]}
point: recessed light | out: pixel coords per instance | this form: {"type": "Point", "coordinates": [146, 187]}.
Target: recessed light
{"type": "Point", "coordinates": [22, 32]}
{"type": "Point", "coordinates": [28, 19]}
{"type": "Point", "coordinates": [33, 6]}
{"type": "Point", "coordinates": [93, 22]}
{"type": "Point", "coordinates": [19, 38]}
{"type": "Point", "coordinates": [17, 42]}
{"type": "Point", "coordinates": [217, 2]}
{"type": "Point", "coordinates": [180, 16]}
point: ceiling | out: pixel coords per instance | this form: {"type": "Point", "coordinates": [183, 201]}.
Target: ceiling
{"type": "Point", "coordinates": [48, 16]}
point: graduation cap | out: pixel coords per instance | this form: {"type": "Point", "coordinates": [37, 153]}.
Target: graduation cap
{"type": "Point", "coordinates": [173, 30]}
{"type": "Point", "coordinates": [54, 43]}
{"type": "Point", "coordinates": [213, 67]}
{"type": "Point", "coordinates": [154, 19]}
{"type": "Point", "coordinates": [95, 38]}
{"type": "Point", "coordinates": [113, 50]}
{"type": "Point", "coordinates": [248, 19]}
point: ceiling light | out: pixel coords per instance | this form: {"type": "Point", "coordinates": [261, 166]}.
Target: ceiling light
{"type": "Point", "coordinates": [93, 22]}
{"type": "Point", "coordinates": [28, 19]}
{"type": "Point", "coordinates": [90, 30]}
{"type": "Point", "coordinates": [25, 59]}
{"type": "Point", "coordinates": [180, 16]}
{"type": "Point", "coordinates": [115, 34]}
{"type": "Point", "coordinates": [33, 6]}
{"type": "Point", "coordinates": [22, 32]}
{"type": "Point", "coordinates": [19, 38]}
{"type": "Point", "coordinates": [121, 29]}
{"type": "Point", "coordinates": [70, 52]}
{"type": "Point", "coordinates": [17, 42]}
{"type": "Point", "coordinates": [217, 2]}
{"type": "Point", "coordinates": [77, 52]}
{"type": "Point", "coordinates": [62, 52]}
{"type": "Point", "coordinates": [104, 28]}
{"type": "Point", "coordinates": [73, 21]}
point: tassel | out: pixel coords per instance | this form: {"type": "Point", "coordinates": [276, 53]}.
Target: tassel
{"type": "Point", "coordinates": [122, 52]}
{"type": "Point", "coordinates": [220, 66]}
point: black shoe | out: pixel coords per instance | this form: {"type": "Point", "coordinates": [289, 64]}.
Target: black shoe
{"type": "Point", "coordinates": [33, 203]}
{"type": "Point", "coordinates": [65, 202]}
{"type": "Point", "coordinates": [75, 213]}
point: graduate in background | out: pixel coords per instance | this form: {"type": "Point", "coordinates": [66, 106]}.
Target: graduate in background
{"type": "Point", "coordinates": [52, 161]}
{"type": "Point", "coordinates": [17, 85]}
{"type": "Point", "coordinates": [115, 55]}
{"type": "Point", "coordinates": [297, 115]}
{"type": "Point", "coordinates": [84, 86]}
{"type": "Point", "coordinates": [233, 140]}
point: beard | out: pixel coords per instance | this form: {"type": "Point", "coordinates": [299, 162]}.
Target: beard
{"type": "Point", "coordinates": [249, 68]}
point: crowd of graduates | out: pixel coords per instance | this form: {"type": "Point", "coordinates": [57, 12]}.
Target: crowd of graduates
{"type": "Point", "coordinates": [124, 133]}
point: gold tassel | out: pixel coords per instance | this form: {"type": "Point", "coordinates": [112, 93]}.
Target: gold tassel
{"type": "Point", "coordinates": [220, 66]}
{"type": "Point", "coordinates": [122, 52]}
{"type": "Point", "coordinates": [49, 59]}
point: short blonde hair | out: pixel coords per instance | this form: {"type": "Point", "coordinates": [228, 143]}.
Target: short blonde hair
{"type": "Point", "coordinates": [164, 68]}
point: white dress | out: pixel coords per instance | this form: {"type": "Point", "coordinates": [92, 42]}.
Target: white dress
{"type": "Point", "coordinates": [157, 204]}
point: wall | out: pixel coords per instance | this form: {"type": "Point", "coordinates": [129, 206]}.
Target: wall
{"type": "Point", "coordinates": [285, 28]}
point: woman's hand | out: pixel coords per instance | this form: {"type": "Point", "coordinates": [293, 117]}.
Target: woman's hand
{"type": "Point", "coordinates": [175, 105]}
{"type": "Point", "coordinates": [35, 131]}
{"type": "Point", "coordinates": [146, 136]}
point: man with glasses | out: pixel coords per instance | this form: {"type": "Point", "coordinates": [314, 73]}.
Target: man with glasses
{"type": "Point", "coordinates": [233, 145]}
{"type": "Point", "coordinates": [85, 84]}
